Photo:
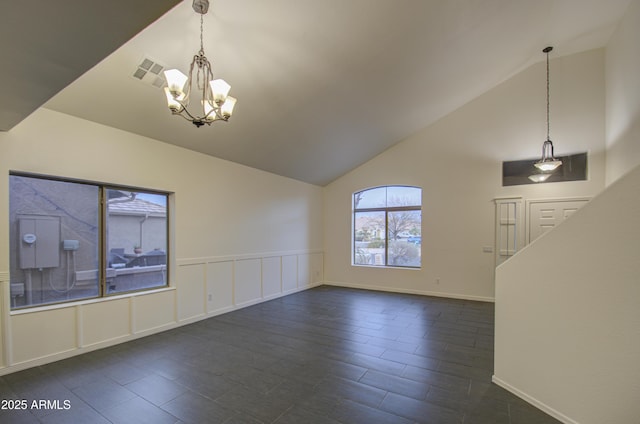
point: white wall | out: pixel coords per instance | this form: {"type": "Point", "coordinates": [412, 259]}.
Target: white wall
{"type": "Point", "coordinates": [240, 236]}
{"type": "Point", "coordinates": [623, 95]}
{"type": "Point", "coordinates": [458, 163]}
{"type": "Point", "coordinates": [569, 341]}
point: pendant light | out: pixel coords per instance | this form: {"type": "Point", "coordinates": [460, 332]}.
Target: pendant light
{"type": "Point", "coordinates": [548, 162]}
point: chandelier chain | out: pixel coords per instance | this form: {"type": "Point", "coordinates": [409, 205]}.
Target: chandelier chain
{"type": "Point", "coordinates": [202, 30]}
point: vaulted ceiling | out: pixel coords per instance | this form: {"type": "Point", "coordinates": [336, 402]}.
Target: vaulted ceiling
{"type": "Point", "coordinates": [322, 86]}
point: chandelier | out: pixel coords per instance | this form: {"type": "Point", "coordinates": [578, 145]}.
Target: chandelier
{"type": "Point", "coordinates": [548, 162]}
{"type": "Point", "coordinates": [215, 103]}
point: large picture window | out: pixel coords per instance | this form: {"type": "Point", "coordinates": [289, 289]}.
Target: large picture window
{"type": "Point", "coordinates": [73, 240]}
{"type": "Point", "coordinates": [387, 226]}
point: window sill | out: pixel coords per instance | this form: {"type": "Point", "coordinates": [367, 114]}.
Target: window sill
{"type": "Point", "coordinates": [409, 268]}
{"type": "Point", "coordinates": [89, 301]}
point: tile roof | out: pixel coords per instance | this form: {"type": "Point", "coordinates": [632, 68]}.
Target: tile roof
{"type": "Point", "coordinates": [136, 207]}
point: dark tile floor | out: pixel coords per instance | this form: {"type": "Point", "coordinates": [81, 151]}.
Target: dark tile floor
{"type": "Point", "coordinates": [327, 355]}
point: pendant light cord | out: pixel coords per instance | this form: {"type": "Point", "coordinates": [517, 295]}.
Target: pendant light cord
{"type": "Point", "coordinates": [547, 50]}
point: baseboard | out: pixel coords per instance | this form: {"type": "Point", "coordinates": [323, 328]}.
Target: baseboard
{"type": "Point", "coordinates": [410, 291]}
{"type": "Point", "coordinates": [533, 401]}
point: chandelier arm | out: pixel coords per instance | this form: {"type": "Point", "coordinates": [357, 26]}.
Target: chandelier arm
{"type": "Point", "coordinates": [204, 98]}
{"type": "Point", "coordinates": [183, 117]}
{"type": "Point", "coordinates": [187, 95]}
{"type": "Point", "coordinates": [185, 110]}
{"type": "Point", "coordinates": [198, 122]}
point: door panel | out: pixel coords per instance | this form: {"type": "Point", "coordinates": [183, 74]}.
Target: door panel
{"type": "Point", "coordinates": [509, 236]}
{"type": "Point", "coordinates": [545, 215]}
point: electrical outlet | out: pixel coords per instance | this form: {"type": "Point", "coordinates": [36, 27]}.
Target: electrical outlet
{"type": "Point", "coordinates": [210, 298]}
{"type": "Point", "coordinates": [437, 281]}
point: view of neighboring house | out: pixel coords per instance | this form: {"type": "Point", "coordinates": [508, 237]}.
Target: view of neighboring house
{"type": "Point", "coordinates": [55, 233]}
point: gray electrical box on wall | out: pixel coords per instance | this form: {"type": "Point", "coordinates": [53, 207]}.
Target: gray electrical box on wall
{"type": "Point", "coordinates": [39, 242]}
{"type": "Point", "coordinates": [70, 244]}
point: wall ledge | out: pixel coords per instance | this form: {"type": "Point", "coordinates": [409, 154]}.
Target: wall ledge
{"type": "Point", "coordinates": [245, 256]}
{"type": "Point", "coordinates": [83, 302]}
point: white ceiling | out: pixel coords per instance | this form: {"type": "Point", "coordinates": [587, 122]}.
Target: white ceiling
{"type": "Point", "coordinates": [45, 45]}
{"type": "Point", "coordinates": [324, 86]}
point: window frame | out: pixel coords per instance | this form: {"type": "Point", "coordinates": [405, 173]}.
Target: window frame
{"type": "Point", "coordinates": [102, 236]}
{"type": "Point", "coordinates": [386, 210]}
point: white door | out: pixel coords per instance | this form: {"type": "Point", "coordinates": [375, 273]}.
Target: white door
{"type": "Point", "coordinates": [509, 228]}
{"type": "Point", "coordinates": [545, 215]}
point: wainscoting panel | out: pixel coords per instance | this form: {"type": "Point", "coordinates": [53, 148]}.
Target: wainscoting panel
{"type": "Point", "coordinates": [289, 273]}
{"type": "Point", "coordinates": [232, 282]}
{"type": "Point", "coordinates": [103, 321]}
{"type": "Point", "coordinates": [219, 286]}
{"type": "Point", "coordinates": [202, 287]}
{"type": "Point", "coordinates": [248, 281]}
{"type": "Point", "coordinates": [191, 293]}
{"type": "Point", "coordinates": [153, 311]}
{"type": "Point", "coordinates": [304, 271]}
{"type": "Point", "coordinates": [43, 333]}
{"type": "Point", "coordinates": [271, 276]}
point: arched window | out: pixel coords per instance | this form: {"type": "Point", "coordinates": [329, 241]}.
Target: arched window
{"type": "Point", "coordinates": [387, 228]}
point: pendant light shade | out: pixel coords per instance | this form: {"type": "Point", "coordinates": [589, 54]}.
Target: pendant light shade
{"type": "Point", "coordinates": [548, 162]}
{"type": "Point", "coordinates": [538, 178]}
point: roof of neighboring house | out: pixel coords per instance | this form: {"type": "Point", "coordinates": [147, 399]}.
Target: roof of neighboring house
{"type": "Point", "coordinates": [136, 207]}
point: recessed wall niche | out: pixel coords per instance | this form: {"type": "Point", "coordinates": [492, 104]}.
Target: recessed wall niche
{"type": "Point", "coordinates": [517, 172]}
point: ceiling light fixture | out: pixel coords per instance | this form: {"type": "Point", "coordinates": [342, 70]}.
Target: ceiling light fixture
{"type": "Point", "coordinates": [547, 163]}
{"type": "Point", "coordinates": [215, 103]}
